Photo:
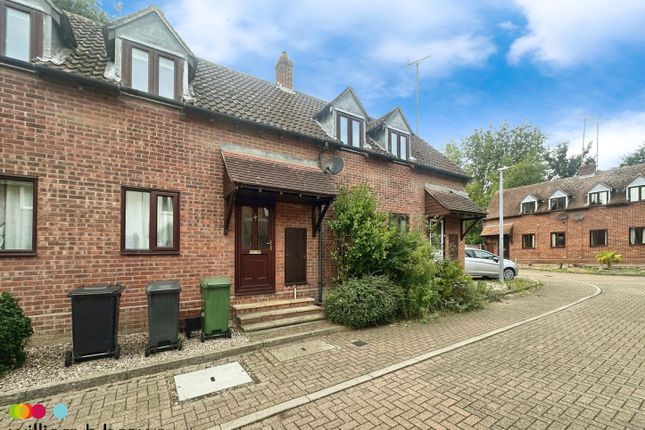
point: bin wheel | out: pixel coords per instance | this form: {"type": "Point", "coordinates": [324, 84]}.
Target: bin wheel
{"type": "Point", "coordinates": [202, 337]}
{"type": "Point", "coordinates": [188, 333]}
{"type": "Point", "coordinates": [146, 352]}
{"type": "Point", "coordinates": [229, 334]}
{"type": "Point", "coordinates": [180, 345]}
{"type": "Point", "coordinates": [117, 352]}
{"type": "Point", "coordinates": [68, 358]}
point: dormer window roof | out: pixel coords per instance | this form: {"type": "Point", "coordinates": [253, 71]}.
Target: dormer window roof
{"type": "Point", "coordinates": [528, 205]}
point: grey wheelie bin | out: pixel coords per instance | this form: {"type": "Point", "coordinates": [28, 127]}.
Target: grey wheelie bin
{"type": "Point", "coordinates": [163, 316]}
{"type": "Point", "coordinates": [215, 307]}
{"type": "Point", "coordinates": [95, 322]}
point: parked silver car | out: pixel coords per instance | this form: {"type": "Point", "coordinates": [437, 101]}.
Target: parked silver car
{"type": "Point", "coordinates": [483, 263]}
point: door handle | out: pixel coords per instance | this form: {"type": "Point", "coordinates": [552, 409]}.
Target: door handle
{"type": "Point", "coordinates": [270, 243]}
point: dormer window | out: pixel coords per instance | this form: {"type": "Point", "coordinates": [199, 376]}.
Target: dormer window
{"type": "Point", "coordinates": [349, 129]}
{"type": "Point", "coordinates": [599, 198]}
{"type": "Point", "coordinates": [152, 71]}
{"type": "Point", "coordinates": [558, 201]}
{"type": "Point", "coordinates": [398, 144]}
{"type": "Point", "coordinates": [21, 32]}
{"type": "Point", "coordinates": [637, 194]}
{"type": "Point", "coordinates": [528, 205]}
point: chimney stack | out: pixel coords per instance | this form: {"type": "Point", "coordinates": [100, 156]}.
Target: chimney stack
{"type": "Point", "coordinates": [587, 169]}
{"type": "Point", "coordinates": [284, 71]}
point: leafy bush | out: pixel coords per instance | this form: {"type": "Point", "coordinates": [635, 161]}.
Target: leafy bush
{"type": "Point", "coordinates": [360, 232]}
{"type": "Point", "coordinates": [609, 258]}
{"type": "Point", "coordinates": [364, 302]}
{"type": "Point", "coordinates": [15, 328]}
{"type": "Point", "coordinates": [409, 262]}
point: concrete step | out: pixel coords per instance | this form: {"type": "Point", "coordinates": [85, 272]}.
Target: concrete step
{"type": "Point", "coordinates": [255, 317]}
{"type": "Point", "coordinates": [283, 322]}
{"type": "Point", "coordinates": [243, 308]}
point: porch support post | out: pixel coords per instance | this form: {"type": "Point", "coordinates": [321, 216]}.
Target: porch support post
{"type": "Point", "coordinates": [229, 204]}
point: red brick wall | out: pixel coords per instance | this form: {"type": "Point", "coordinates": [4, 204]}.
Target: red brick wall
{"type": "Point", "coordinates": [84, 146]}
{"type": "Point", "coordinates": [616, 219]}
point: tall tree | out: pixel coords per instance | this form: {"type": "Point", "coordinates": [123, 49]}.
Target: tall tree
{"type": "Point", "coordinates": [636, 157]}
{"type": "Point", "coordinates": [88, 8]}
{"type": "Point", "coordinates": [561, 165]}
{"type": "Point", "coordinates": [485, 151]}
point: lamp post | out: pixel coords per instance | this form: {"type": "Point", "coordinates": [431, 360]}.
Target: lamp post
{"type": "Point", "coordinates": [501, 223]}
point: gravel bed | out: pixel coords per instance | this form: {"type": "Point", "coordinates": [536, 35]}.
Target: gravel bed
{"type": "Point", "coordinates": [45, 364]}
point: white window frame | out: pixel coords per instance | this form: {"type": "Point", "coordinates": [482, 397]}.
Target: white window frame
{"type": "Point", "coordinates": [529, 199]}
{"type": "Point", "coordinates": [638, 182]}
{"type": "Point", "coordinates": [557, 195]}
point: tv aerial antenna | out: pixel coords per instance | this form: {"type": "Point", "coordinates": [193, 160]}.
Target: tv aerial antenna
{"type": "Point", "coordinates": [417, 63]}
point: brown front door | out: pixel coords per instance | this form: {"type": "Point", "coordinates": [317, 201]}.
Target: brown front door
{"type": "Point", "coordinates": [255, 262]}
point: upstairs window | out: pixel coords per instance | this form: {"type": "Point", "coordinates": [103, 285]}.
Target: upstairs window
{"type": "Point", "coordinates": [599, 198]}
{"type": "Point", "coordinates": [151, 71]}
{"type": "Point", "coordinates": [637, 194]}
{"type": "Point", "coordinates": [349, 130]}
{"type": "Point", "coordinates": [21, 32]}
{"type": "Point", "coordinates": [17, 215]}
{"type": "Point", "coordinates": [637, 235]}
{"type": "Point", "coordinates": [529, 207]}
{"type": "Point", "coordinates": [398, 144]}
{"type": "Point", "coordinates": [150, 222]}
{"type": "Point", "coordinates": [557, 203]}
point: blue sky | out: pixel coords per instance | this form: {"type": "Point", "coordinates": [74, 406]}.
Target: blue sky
{"type": "Point", "coordinates": [548, 62]}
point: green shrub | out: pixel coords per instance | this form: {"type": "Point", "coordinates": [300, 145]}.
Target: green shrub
{"type": "Point", "coordinates": [364, 302]}
{"type": "Point", "coordinates": [409, 262]}
{"type": "Point", "coordinates": [361, 234]}
{"type": "Point", "coordinates": [609, 258]}
{"type": "Point", "coordinates": [457, 291]}
{"type": "Point", "coordinates": [15, 328]}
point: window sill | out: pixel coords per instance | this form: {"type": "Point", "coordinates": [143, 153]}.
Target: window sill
{"type": "Point", "coordinates": [12, 254]}
{"type": "Point", "coordinates": [148, 253]}
{"type": "Point", "coordinates": [295, 284]}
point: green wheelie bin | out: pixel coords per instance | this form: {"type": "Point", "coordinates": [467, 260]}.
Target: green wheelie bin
{"type": "Point", "coordinates": [215, 307]}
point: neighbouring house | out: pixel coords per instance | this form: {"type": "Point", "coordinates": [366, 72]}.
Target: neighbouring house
{"type": "Point", "coordinates": [127, 159]}
{"type": "Point", "coordinates": [571, 220]}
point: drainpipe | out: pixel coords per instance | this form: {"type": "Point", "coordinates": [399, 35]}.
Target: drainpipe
{"type": "Point", "coordinates": [320, 263]}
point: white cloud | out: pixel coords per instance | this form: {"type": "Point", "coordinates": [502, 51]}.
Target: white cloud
{"type": "Point", "coordinates": [363, 43]}
{"type": "Point", "coordinates": [618, 135]}
{"type": "Point", "coordinates": [564, 33]}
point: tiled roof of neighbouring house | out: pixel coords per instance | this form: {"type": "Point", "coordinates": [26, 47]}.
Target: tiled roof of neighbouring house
{"type": "Point", "coordinates": [234, 94]}
{"type": "Point", "coordinates": [575, 187]}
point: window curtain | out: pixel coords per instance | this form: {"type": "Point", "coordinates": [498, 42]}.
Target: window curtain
{"type": "Point", "coordinates": [137, 220]}
{"type": "Point", "coordinates": [16, 219]}
{"type": "Point", "coordinates": [165, 222]}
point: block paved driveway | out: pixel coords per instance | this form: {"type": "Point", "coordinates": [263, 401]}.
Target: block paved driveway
{"type": "Point", "coordinates": [581, 368]}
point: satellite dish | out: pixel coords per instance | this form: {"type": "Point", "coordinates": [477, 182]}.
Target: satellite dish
{"type": "Point", "coordinates": [563, 216]}
{"type": "Point", "coordinates": [579, 217]}
{"type": "Point", "coordinates": [334, 165]}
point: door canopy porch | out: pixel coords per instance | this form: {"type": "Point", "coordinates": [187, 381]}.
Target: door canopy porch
{"type": "Point", "coordinates": [493, 230]}
{"type": "Point", "coordinates": [442, 202]}
{"type": "Point", "coordinates": [254, 177]}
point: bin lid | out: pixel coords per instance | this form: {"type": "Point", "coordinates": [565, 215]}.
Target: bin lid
{"type": "Point", "coordinates": [98, 290]}
{"type": "Point", "coordinates": [215, 282]}
{"type": "Point", "coordinates": [171, 286]}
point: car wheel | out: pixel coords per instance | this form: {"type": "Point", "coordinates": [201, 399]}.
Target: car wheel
{"type": "Point", "coordinates": [509, 274]}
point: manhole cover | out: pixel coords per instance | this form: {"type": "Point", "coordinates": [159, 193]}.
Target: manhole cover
{"type": "Point", "coordinates": [359, 343]}
{"type": "Point", "coordinates": [290, 352]}
{"type": "Point", "coordinates": [211, 380]}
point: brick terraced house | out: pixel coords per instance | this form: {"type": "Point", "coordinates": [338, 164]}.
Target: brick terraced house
{"type": "Point", "coordinates": [127, 159]}
{"type": "Point", "coordinates": [571, 220]}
